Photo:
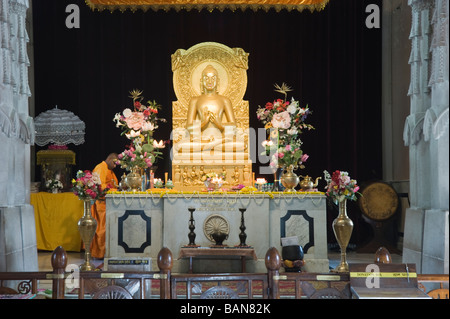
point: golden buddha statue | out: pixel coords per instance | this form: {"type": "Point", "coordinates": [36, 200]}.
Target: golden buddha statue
{"type": "Point", "coordinates": [205, 119]}
{"type": "Point", "coordinates": [210, 119]}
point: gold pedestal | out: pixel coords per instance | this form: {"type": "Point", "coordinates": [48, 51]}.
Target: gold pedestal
{"type": "Point", "coordinates": [343, 228]}
{"type": "Point", "coordinates": [87, 226]}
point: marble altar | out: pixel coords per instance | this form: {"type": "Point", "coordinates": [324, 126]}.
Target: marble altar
{"type": "Point", "coordinates": [140, 224]}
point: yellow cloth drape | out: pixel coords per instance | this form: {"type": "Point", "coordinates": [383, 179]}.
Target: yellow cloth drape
{"type": "Point", "coordinates": [133, 5]}
{"type": "Point", "coordinates": [56, 218]}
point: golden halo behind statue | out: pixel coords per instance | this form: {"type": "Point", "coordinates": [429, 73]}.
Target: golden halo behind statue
{"type": "Point", "coordinates": [188, 65]}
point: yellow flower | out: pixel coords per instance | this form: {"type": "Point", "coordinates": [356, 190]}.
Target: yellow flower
{"type": "Point", "coordinates": [268, 125]}
{"type": "Point", "coordinates": [274, 133]}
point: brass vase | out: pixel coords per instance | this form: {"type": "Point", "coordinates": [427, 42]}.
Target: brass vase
{"type": "Point", "coordinates": [87, 226]}
{"type": "Point", "coordinates": [134, 179]}
{"type": "Point", "coordinates": [289, 179]}
{"type": "Point", "coordinates": [342, 228]}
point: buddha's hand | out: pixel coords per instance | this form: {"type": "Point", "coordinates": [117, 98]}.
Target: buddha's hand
{"type": "Point", "coordinates": [212, 117]}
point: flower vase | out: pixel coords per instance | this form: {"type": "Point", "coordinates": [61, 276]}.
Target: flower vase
{"type": "Point", "coordinates": [87, 226]}
{"type": "Point", "coordinates": [342, 228]}
{"type": "Point", "coordinates": [289, 179]}
{"type": "Point", "coordinates": [134, 179]}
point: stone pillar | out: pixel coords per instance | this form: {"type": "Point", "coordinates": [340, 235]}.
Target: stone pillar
{"type": "Point", "coordinates": [396, 26]}
{"type": "Point", "coordinates": [426, 241]}
{"type": "Point", "coordinates": [18, 249]}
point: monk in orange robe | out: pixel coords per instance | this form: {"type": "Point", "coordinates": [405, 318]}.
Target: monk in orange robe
{"type": "Point", "coordinates": [109, 180]}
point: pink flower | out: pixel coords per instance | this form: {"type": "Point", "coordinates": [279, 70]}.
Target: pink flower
{"type": "Point", "coordinates": [281, 120]}
{"type": "Point", "coordinates": [304, 158]}
{"type": "Point", "coordinates": [135, 120]}
{"type": "Point", "coordinates": [288, 148]}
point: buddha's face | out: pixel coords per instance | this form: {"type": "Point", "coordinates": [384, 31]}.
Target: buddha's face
{"type": "Point", "coordinates": [209, 78]}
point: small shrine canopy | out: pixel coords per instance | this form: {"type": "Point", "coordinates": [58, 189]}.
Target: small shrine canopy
{"type": "Point", "coordinates": [210, 5]}
{"type": "Point", "coordinates": [59, 127]}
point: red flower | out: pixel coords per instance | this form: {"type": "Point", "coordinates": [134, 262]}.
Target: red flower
{"type": "Point", "coordinates": [146, 112]}
{"type": "Point", "coordinates": [137, 104]}
{"type": "Point", "coordinates": [269, 106]}
{"type": "Point", "coordinates": [336, 177]}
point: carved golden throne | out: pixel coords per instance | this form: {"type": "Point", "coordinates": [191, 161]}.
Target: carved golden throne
{"type": "Point", "coordinates": [188, 168]}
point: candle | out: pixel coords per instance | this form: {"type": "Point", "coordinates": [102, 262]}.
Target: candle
{"type": "Point", "coordinates": [165, 177]}
{"type": "Point", "coordinates": [261, 181]}
{"type": "Point", "coordinates": [152, 177]}
{"type": "Point", "coordinates": [253, 179]}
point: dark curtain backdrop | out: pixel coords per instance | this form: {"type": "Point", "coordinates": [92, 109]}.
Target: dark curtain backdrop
{"type": "Point", "coordinates": [330, 58]}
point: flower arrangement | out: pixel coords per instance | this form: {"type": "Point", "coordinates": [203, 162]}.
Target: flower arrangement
{"type": "Point", "coordinates": [53, 184]}
{"type": "Point", "coordinates": [284, 121]}
{"type": "Point", "coordinates": [142, 156]}
{"type": "Point", "coordinates": [88, 186]}
{"type": "Point", "coordinates": [340, 186]}
{"type": "Point", "coordinates": [138, 126]}
{"type": "Point", "coordinates": [210, 176]}
{"type": "Point", "coordinates": [213, 181]}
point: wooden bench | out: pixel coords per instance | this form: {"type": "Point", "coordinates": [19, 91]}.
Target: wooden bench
{"type": "Point", "coordinates": [306, 285]}
{"type": "Point", "coordinates": [28, 281]}
{"type": "Point", "coordinates": [438, 293]}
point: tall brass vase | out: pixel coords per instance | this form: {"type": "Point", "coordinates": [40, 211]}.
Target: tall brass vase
{"type": "Point", "coordinates": [87, 226]}
{"type": "Point", "coordinates": [342, 228]}
{"type": "Point", "coordinates": [289, 179]}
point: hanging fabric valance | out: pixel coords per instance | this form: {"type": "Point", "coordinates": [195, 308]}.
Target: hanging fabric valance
{"type": "Point", "coordinates": [210, 5]}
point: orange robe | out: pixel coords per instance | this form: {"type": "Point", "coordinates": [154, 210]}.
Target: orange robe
{"type": "Point", "coordinates": [109, 180]}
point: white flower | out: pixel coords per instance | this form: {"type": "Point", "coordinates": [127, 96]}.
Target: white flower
{"type": "Point", "coordinates": [292, 131]}
{"type": "Point", "coordinates": [148, 126]}
{"type": "Point", "coordinates": [127, 112]}
{"type": "Point", "coordinates": [96, 178]}
{"type": "Point", "coordinates": [260, 113]}
{"type": "Point", "coordinates": [117, 120]}
{"type": "Point", "coordinates": [158, 145]}
{"type": "Point", "coordinates": [291, 108]}
{"type": "Point", "coordinates": [133, 133]}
